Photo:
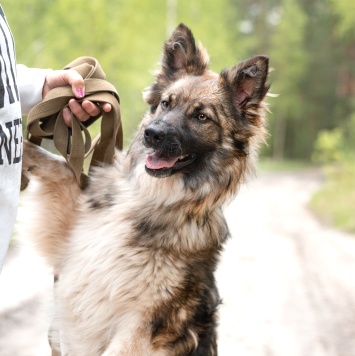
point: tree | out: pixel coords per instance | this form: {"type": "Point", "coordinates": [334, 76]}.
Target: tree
{"type": "Point", "coordinates": [289, 60]}
{"type": "Point", "coordinates": [311, 46]}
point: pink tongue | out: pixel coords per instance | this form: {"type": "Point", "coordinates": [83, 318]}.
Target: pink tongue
{"type": "Point", "coordinates": [155, 161]}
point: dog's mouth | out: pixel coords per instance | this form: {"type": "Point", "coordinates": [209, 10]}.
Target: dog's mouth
{"type": "Point", "coordinates": [158, 165]}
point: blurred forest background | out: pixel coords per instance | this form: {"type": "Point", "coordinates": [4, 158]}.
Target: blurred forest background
{"type": "Point", "coordinates": [311, 45]}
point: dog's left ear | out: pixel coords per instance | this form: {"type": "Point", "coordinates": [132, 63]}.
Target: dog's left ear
{"type": "Point", "coordinates": [247, 81]}
{"type": "Point", "coordinates": [182, 53]}
{"type": "Point", "coordinates": [181, 56]}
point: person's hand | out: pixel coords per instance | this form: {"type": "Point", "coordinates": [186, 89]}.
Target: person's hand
{"type": "Point", "coordinates": [83, 111]}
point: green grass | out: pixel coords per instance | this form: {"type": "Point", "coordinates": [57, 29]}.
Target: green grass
{"type": "Point", "coordinates": [335, 201]}
{"type": "Point", "coordinates": [267, 164]}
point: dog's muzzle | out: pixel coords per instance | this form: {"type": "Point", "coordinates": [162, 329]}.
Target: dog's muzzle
{"type": "Point", "coordinates": [167, 157]}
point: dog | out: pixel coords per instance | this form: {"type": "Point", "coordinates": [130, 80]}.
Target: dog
{"type": "Point", "coordinates": [136, 251]}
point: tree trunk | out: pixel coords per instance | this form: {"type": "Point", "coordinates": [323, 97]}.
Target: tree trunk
{"type": "Point", "coordinates": [279, 139]}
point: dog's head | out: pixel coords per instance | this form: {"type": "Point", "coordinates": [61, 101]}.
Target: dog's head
{"type": "Point", "coordinates": [201, 122]}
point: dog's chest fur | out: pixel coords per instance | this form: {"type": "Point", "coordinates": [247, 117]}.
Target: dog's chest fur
{"type": "Point", "coordinates": [139, 266]}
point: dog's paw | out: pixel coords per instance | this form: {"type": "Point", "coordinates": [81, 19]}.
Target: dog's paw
{"type": "Point", "coordinates": [28, 162]}
{"type": "Point", "coordinates": [24, 181]}
{"type": "Point", "coordinates": [38, 162]}
{"type": "Point", "coordinates": [32, 156]}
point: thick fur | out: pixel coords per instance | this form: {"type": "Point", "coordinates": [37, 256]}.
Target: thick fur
{"type": "Point", "coordinates": [135, 252]}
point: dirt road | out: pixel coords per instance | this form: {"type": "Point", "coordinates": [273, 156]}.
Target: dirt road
{"type": "Point", "coordinates": [287, 281]}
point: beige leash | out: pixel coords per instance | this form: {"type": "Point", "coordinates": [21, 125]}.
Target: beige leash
{"type": "Point", "coordinates": [45, 120]}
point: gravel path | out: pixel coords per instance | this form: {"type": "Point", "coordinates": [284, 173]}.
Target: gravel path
{"type": "Point", "coordinates": [287, 281]}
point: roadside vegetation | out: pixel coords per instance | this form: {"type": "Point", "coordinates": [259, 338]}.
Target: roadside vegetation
{"type": "Point", "coordinates": [335, 201]}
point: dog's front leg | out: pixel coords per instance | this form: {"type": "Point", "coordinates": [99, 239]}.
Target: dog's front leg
{"type": "Point", "coordinates": [135, 341]}
{"type": "Point", "coordinates": [52, 201]}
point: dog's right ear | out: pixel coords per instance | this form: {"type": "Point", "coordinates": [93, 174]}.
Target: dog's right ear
{"type": "Point", "coordinates": [181, 56]}
{"type": "Point", "coordinates": [247, 82]}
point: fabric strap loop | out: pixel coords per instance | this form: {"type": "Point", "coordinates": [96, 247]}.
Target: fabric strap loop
{"type": "Point", "coordinates": [45, 120]}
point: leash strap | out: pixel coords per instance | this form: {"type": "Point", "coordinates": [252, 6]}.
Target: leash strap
{"type": "Point", "coordinates": [45, 121]}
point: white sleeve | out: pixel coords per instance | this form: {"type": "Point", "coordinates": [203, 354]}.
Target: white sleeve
{"type": "Point", "coordinates": [30, 84]}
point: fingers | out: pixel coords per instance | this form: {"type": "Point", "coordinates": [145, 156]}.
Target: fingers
{"type": "Point", "coordinates": [78, 111]}
{"type": "Point", "coordinates": [76, 81]}
{"type": "Point", "coordinates": [90, 108]}
{"type": "Point", "coordinates": [106, 107]}
{"type": "Point", "coordinates": [87, 109]}
{"type": "Point", "coordinates": [67, 116]}
{"type": "Point", "coordinates": [59, 78]}
{"type": "Point", "coordinates": [83, 111]}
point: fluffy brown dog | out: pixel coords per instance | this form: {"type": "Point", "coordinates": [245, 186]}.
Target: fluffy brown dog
{"type": "Point", "coordinates": [136, 251]}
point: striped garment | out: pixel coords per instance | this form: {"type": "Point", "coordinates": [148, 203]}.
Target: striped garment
{"type": "Point", "coordinates": [15, 83]}
{"type": "Point", "coordinates": [10, 136]}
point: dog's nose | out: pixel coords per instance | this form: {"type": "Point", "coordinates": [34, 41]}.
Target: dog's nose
{"type": "Point", "coordinates": [154, 135]}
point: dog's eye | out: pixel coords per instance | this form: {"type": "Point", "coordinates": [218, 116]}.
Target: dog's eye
{"type": "Point", "coordinates": [164, 104]}
{"type": "Point", "coordinates": [201, 117]}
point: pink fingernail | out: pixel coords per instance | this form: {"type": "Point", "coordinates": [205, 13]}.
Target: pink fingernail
{"type": "Point", "coordinates": [80, 92]}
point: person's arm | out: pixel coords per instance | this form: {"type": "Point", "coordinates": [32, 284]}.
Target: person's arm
{"type": "Point", "coordinates": [30, 83]}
